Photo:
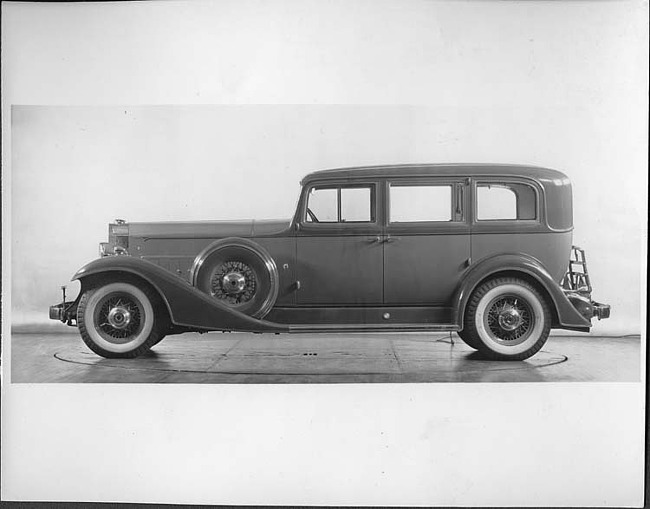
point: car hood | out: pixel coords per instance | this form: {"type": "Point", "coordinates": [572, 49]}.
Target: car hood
{"type": "Point", "coordinates": [208, 229]}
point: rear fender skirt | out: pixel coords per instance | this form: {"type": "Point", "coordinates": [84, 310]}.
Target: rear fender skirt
{"type": "Point", "coordinates": [187, 306]}
{"type": "Point", "coordinates": [568, 316]}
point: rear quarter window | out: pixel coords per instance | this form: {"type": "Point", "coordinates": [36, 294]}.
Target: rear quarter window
{"type": "Point", "coordinates": [505, 201]}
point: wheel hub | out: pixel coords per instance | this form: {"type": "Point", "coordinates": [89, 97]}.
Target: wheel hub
{"type": "Point", "coordinates": [233, 283]}
{"type": "Point", "coordinates": [509, 318]}
{"type": "Point", "coordinates": [119, 317]}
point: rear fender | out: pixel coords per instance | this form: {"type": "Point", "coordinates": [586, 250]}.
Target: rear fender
{"type": "Point", "coordinates": [567, 316]}
{"type": "Point", "coordinates": [187, 306]}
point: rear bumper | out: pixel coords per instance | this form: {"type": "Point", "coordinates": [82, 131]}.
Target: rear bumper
{"type": "Point", "coordinates": [577, 287]}
{"type": "Point", "coordinates": [587, 307]}
{"type": "Point", "coordinates": [600, 310]}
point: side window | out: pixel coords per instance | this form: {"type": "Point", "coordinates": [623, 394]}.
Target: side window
{"type": "Point", "coordinates": [355, 204]}
{"type": "Point", "coordinates": [340, 204]}
{"type": "Point", "coordinates": [413, 203]}
{"type": "Point", "coordinates": [323, 205]}
{"type": "Point", "coordinates": [505, 201]}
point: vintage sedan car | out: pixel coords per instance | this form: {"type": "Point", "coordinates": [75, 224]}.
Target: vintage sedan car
{"type": "Point", "coordinates": [482, 250]}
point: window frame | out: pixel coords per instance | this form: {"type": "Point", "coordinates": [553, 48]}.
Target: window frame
{"type": "Point", "coordinates": [458, 203]}
{"type": "Point", "coordinates": [495, 180]}
{"type": "Point", "coordinates": [302, 218]}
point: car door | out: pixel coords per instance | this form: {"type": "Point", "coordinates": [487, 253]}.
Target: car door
{"type": "Point", "coordinates": [339, 253]}
{"type": "Point", "coordinates": [427, 240]}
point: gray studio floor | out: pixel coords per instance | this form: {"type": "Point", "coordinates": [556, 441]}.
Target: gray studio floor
{"type": "Point", "coordinates": [330, 358]}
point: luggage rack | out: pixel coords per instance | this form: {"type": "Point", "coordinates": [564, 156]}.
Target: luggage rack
{"type": "Point", "coordinates": [577, 277]}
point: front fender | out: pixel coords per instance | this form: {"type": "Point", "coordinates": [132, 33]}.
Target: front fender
{"type": "Point", "coordinates": [511, 264]}
{"type": "Point", "coordinates": [187, 306]}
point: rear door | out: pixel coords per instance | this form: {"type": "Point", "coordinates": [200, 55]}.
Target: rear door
{"type": "Point", "coordinates": [427, 240]}
{"type": "Point", "coordinates": [339, 258]}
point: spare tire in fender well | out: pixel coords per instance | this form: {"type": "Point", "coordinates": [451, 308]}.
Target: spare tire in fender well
{"type": "Point", "coordinates": [238, 272]}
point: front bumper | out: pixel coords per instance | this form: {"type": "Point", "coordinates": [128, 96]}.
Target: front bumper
{"type": "Point", "coordinates": [65, 312]}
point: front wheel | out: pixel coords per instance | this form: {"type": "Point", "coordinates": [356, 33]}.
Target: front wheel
{"type": "Point", "coordinates": [507, 319]}
{"type": "Point", "coordinates": [121, 319]}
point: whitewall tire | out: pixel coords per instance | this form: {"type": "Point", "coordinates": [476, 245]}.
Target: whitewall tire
{"type": "Point", "coordinates": [120, 319]}
{"type": "Point", "coordinates": [507, 318]}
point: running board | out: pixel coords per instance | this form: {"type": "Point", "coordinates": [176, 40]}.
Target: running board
{"type": "Point", "coordinates": [371, 327]}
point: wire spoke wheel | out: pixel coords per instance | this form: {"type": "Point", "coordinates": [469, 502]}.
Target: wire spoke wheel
{"type": "Point", "coordinates": [233, 282]}
{"type": "Point", "coordinates": [239, 274]}
{"type": "Point", "coordinates": [509, 319]}
{"type": "Point", "coordinates": [122, 319]}
{"type": "Point", "coordinates": [119, 317]}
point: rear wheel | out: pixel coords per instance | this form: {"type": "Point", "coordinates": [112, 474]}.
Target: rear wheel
{"type": "Point", "coordinates": [507, 319]}
{"type": "Point", "coordinates": [121, 319]}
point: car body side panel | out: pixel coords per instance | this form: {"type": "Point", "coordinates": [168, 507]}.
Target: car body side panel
{"type": "Point", "coordinates": [424, 269]}
{"type": "Point", "coordinates": [283, 251]}
{"type": "Point", "coordinates": [187, 306]}
{"type": "Point", "coordinates": [208, 229]}
{"type": "Point", "coordinates": [559, 203]}
{"type": "Point", "coordinates": [370, 315]}
{"type": "Point", "coordinates": [191, 229]}
{"type": "Point", "coordinates": [551, 250]}
{"type": "Point", "coordinates": [568, 315]}
{"type": "Point", "coordinates": [340, 269]}
{"type": "Point", "coordinates": [179, 265]}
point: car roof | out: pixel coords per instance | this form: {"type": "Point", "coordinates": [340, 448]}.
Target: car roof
{"type": "Point", "coordinates": [421, 170]}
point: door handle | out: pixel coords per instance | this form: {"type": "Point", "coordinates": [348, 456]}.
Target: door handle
{"type": "Point", "coordinates": [390, 239]}
{"type": "Point", "coordinates": [372, 240]}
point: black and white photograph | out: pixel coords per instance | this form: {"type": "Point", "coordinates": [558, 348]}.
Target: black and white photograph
{"type": "Point", "coordinates": [325, 253]}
